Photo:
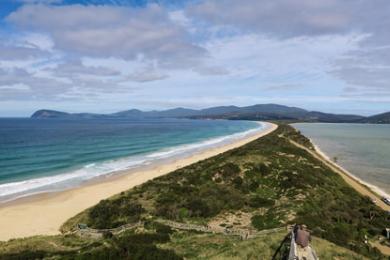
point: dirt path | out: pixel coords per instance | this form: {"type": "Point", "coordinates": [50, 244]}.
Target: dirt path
{"type": "Point", "coordinates": [346, 176]}
{"type": "Point", "coordinates": [384, 249]}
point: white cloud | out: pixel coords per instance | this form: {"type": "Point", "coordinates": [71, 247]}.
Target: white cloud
{"type": "Point", "coordinates": [111, 31]}
{"type": "Point", "coordinates": [39, 1]}
{"type": "Point", "coordinates": [146, 76]}
{"type": "Point", "coordinates": [76, 68]}
{"type": "Point", "coordinates": [15, 87]}
{"type": "Point", "coordinates": [271, 60]}
{"type": "Point", "coordinates": [38, 41]}
{"type": "Point", "coordinates": [211, 53]}
{"type": "Point", "coordinates": [289, 19]}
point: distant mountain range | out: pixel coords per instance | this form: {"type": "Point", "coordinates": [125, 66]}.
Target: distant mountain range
{"type": "Point", "coordinates": [255, 112]}
{"type": "Point", "coordinates": [378, 119]}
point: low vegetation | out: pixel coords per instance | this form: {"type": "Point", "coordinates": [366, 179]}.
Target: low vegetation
{"type": "Point", "coordinates": [208, 246]}
{"type": "Point", "coordinates": [128, 245]}
{"type": "Point", "coordinates": [270, 181]}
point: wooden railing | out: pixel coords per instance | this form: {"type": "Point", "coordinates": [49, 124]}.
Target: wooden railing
{"type": "Point", "coordinates": [294, 250]}
{"type": "Point", "coordinates": [243, 233]}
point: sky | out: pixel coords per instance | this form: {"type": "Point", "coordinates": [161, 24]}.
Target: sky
{"type": "Point", "coordinates": [109, 55]}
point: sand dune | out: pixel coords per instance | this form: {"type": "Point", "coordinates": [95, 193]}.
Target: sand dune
{"type": "Point", "coordinates": [44, 214]}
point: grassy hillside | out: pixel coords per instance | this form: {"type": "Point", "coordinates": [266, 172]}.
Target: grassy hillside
{"type": "Point", "coordinates": [206, 246]}
{"type": "Point", "coordinates": [160, 244]}
{"type": "Point", "coordinates": [265, 184]}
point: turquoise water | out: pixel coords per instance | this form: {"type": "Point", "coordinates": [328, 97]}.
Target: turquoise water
{"type": "Point", "coordinates": [362, 149]}
{"type": "Point", "coordinates": [45, 155]}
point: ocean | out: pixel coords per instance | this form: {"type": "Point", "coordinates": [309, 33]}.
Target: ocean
{"type": "Point", "coordinates": [362, 149]}
{"type": "Point", "coordinates": [38, 155]}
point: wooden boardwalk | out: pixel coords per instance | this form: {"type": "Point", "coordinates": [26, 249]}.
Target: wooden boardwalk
{"type": "Point", "coordinates": [242, 233]}
{"type": "Point", "coordinates": [298, 253]}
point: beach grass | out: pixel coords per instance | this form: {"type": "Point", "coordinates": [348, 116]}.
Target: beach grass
{"type": "Point", "coordinates": [215, 246]}
{"type": "Point", "coordinates": [274, 181]}
{"type": "Point", "coordinates": [267, 183]}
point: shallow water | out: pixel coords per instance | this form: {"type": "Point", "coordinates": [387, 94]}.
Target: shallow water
{"type": "Point", "coordinates": [362, 149]}
{"type": "Point", "coordinates": [46, 155]}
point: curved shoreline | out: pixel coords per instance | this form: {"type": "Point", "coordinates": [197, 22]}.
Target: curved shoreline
{"type": "Point", "coordinates": [88, 174]}
{"type": "Point", "coordinates": [378, 191]}
{"type": "Point", "coordinates": [43, 214]}
{"type": "Point", "coordinates": [360, 186]}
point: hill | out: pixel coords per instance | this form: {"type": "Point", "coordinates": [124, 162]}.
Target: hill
{"type": "Point", "coordinates": [171, 245]}
{"type": "Point", "coordinates": [53, 114]}
{"type": "Point", "coordinates": [45, 113]}
{"type": "Point", "coordinates": [255, 112]}
{"type": "Point", "coordinates": [266, 184]}
{"type": "Point", "coordinates": [378, 119]}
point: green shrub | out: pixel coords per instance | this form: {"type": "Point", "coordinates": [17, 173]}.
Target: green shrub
{"type": "Point", "coordinates": [237, 181]}
{"type": "Point", "coordinates": [108, 213]}
{"type": "Point", "coordinates": [158, 227]}
{"type": "Point", "coordinates": [229, 170]}
{"type": "Point", "coordinates": [198, 208]}
{"type": "Point", "coordinates": [132, 246]}
{"type": "Point", "coordinates": [266, 221]}
{"type": "Point", "coordinates": [258, 202]}
{"type": "Point", "coordinates": [269, 173]}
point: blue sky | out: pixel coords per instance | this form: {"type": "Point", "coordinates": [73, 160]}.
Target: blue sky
{"type": "Point", "coordinates": [105, 56]}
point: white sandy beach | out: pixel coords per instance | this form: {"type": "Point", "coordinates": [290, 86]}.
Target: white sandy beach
{"type": "Point", "coordinates": [44, 214]}
{"type": "Point", "coordinates": [359, 185]}
{"type": "Point", "coordinates": [366, 189]}
{"type": "Point", "coordinates": [375, 189]}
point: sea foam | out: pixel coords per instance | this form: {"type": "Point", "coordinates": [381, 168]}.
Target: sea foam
{"type": "Point", "coordinates": [76, 177]}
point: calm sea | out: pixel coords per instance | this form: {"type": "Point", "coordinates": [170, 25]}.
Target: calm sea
{"type": "Point", "coordinates": [46, 155]}
{"type": "Point", "coordinates": [362, 149]}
